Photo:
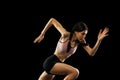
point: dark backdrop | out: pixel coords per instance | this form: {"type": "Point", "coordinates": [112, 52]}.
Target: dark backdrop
{"type": "Point", "coordinates": [23, 60]}
{"type": "Point", "coordinates": [98, 67]}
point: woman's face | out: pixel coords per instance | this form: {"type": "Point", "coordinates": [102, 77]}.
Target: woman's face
{"type": "Point", "coordinates": [81, 35]}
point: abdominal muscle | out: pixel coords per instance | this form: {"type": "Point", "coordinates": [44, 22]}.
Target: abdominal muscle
{"type": "Point", "coordinates": [62, 56]}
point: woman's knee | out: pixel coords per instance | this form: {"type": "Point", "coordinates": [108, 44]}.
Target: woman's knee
{"type": "Point", "coordinates": [76, 72]}
{"type": "Point", "coordinates": [73, 75]}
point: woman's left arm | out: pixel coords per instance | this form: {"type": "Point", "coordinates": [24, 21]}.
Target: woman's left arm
{"type": "Point", "coordinates": [101, 35]}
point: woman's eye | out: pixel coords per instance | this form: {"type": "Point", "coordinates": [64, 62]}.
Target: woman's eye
{"type": "Point", "coordinates": [83, 33]}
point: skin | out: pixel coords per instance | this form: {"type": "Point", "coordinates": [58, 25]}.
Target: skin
{"type": "Point", "coordinates": [61, 68]}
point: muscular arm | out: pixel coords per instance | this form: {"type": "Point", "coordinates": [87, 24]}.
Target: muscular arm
{"type": "Point", "coordinates": [56, 24]}
{"type": "Point", "coordinates": [92, 50]}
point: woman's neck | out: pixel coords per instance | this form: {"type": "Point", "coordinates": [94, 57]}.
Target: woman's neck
{"type": "Point", "coordinates": [73, 39]}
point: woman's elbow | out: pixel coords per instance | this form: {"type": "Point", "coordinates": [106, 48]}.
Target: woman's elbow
{"type": "Point", "coordinates": [91, 54]}
{"type": "Point", "coordinates": [52, 19]}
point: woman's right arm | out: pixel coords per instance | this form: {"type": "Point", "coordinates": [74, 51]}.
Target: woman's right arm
{"type": "Point", "coordinates": [57, 25]}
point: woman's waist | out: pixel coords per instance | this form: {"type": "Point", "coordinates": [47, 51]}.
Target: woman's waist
{"type": "Point", "coordinates": [62, 56]}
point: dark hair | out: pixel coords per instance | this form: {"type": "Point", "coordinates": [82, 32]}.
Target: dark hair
{"type": "Point", "coordinates": [78, 27]}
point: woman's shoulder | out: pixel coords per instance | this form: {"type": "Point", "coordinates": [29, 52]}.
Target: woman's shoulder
{"type": "Point", "coordinates": [65, 37]}
{"type": "Point", "coordinates": [67, 34]}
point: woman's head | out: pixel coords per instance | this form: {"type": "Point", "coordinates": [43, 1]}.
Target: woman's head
{"type": "Point", "coordinates": [80, 30]}
{"type": "Point", "coordinates": [80, 26]}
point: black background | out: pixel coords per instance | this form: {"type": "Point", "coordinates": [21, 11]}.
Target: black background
{"type": "Point", "coordinates": [21, 24]}
{"type": "Point", "coordinates": [98, 67]}
{"type": "Point", "coordinates": [26, 58]}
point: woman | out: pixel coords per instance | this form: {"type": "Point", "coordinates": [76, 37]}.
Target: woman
{"type": "Point", "coordinates": [66, 46]}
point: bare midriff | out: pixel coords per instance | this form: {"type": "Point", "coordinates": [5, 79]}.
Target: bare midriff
{"type": "Point", "coordinates": [62, 57]}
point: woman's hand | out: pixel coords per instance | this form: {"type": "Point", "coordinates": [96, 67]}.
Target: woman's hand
{"type": "Point", "coordinates": [39, 38]}
{"type": "Point", "coordinates": [103, 33]}
{"type": "Point", "coordinates": [83, 41]}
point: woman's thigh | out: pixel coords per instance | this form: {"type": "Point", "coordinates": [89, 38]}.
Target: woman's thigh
{"type": "Point", "coordinates": [63, 69]}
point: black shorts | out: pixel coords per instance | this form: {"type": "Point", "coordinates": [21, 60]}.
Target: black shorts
{"type": "Point", "coordinates": [50, 62]}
